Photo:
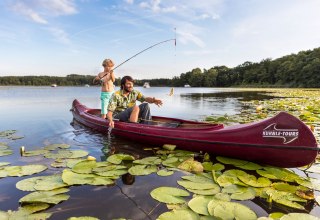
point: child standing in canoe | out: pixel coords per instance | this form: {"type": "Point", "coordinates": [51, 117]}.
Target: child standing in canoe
{"type": "Point", "coordinates": [107, 79]}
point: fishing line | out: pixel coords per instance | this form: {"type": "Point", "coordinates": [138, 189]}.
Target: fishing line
{"type": "Point", "coordinates": [148, 48]}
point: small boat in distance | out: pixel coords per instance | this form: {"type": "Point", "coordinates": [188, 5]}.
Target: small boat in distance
{"type": "Point", "coordinates": [282, 140]}
{"type": "Point", "coordinates": [86, 85]}
{"type": "Point", "coordinates": [53, 85]}
{"type": "Point", "coordinates": [146, 85]}
{"type": "Point", "coordinates": [187, 86]}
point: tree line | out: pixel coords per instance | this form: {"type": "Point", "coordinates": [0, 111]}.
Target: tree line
{"type": "Point", "coordinates": [295, 70]}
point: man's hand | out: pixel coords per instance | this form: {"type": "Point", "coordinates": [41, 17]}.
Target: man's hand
{"type": "Point", "coordinates": [158, 102]}
{"type": "Point", "coordinates": [111, 124]}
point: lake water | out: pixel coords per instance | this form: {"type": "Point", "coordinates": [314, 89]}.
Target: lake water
{"type": "Point", "coordinates": [42, 115]}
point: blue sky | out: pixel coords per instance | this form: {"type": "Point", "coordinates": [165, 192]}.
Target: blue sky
{"type": "Point", "coordinates": [61, 37]}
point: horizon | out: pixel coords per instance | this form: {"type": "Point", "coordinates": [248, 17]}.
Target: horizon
{"type": "Point", "coordinates": [64, 37]}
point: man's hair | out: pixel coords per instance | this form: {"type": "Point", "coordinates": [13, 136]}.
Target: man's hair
{"type": "Point", "coordinates": [124, 79]}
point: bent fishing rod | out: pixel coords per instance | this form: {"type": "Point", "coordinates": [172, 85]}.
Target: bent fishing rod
{"type": "Point", "coordinates": [173, 39]}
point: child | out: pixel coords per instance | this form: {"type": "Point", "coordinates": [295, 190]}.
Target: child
{"type": "Point", "coordinates": [107, 79]}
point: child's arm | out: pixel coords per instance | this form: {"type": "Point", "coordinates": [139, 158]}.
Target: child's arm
{"type": "Point", "coordinates": [112, 77]}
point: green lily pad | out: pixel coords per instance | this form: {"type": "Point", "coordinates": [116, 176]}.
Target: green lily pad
{"type": "Point", "coordinates": [141, 170]}
{"type": "Point", "coordinates": [170, 147]}
{"type": "Point", "coordinates": [169, 195]}
{"type": "Point", "coordinates": [196, 185]}
{"type": "Point", "coordinates": [179, 214]}
{"type": "Point", "coordinates": [31, 153]}
{"type": "Point", "coordinates": [118, 158]}
{"type": "Point", "coordinates": [56, 146]}
{"type": "Point", "coordinates": [239, 192]}
{"type": "Point", "coordinates": [24, 170]}
{"type": "Point", "coordinates": [230, 210]}
{"type": "Point", "coordinates": [165, 172]}
{"type": "Point", "coordinates": [59, 154]}
{"type": "Point", "coordinates": [276, 215]}
{"type": "Point", "coordinates": [2, 164]}
{"type": "Point", "coordinates": [198, 179]}
{"type": "Point", "coordinates": [251, 180]}
{"type": "Point", "coordinates": [249, 166]}
{"type": "Point", "coordinates": [84, 166]}
{"type": "Point", "coordinates": [83, 218]}
{"type": "Point", "coordinates": [41, 183]}
{"type": "Point", "coordinates": [278, 174]}
{"type": "Point", "coordinates": [112, 173]}
{"type": "Point", "coordinates": [26, 212]}
{"type": "Point", "coordinates": [171, 162]}
{"type": "Point", "coordinates": [7, 133]}
{"type": "Point", "coordinates": [199, 204]}
{"type": "Point", "coordinates": [72, 178]}
{"type": "Point", "coordinates": [5, 152]}
{"type": "Point", "coordinates": [205, 192]}
{"type": "Point", "coordinates": [231, 161]}
{"type": "Point", "coordinates": [300, 216]}
{"type": "Point", "coordinates": [191, 165]}
{"type": "Point", "coordinates": [148, 161]}
{"type": "Point", "coordinates": [285, 198]}
{"type": "Point", "coordinates": [51, 197]}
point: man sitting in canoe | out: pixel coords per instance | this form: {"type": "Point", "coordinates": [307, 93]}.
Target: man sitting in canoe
{"type": "Point", "coordinates": [122, 105]}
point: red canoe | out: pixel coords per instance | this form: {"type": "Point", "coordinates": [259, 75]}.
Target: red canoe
{"type": "Point", "coordinates": [282, 140]}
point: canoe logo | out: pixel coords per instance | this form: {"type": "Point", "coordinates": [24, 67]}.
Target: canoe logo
{"type": "Point", "coordinates": [288, 135]}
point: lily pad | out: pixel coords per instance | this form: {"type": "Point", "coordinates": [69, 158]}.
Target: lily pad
{"type": "Point", "coordinates": [31, 153]}
{"type": "Point", "coordinates": [300, 216]}
{"type": "Point", "coordinates": [24, 170]}
{"type": "Point", "coordinates": [41, 183]}
{"type": "Point", "coordinates": [191, 165]}
{"type": "Point", "coordinates": [193, 185]}
{"type": "Point", "coordinates": [26, 212]}
{"type": "Point", "coordinates": [4, 164]}
{"type": "Point", "coordinates": [251, 180]}
{"type": "Point", "coordinates": [230, 210]}
{"type": "Point", "coordinates": [170, 147]}
{"type": "Point", "coordinates": [169, 195]}
{"type": "Point", "coordinates": [141, 170]}
{"type": "Point", "coordinates": [72, 178]}
{"type": "Point", "coordinates": [56, 146]}
{"type": "Point", "coordinates": [5, 152]}
{"type": "Point", "coordinates": [148, 161]}
{"type": "Point", "coordinates": [179, 214]}
{"type": "Point", "coordinates": [165, 172]}
{"type": "Point", "coordinates": [51, 197]}
{"type": "Point", "coordinates": [85, 166]}
{"type": "Point", "coordinates": [239, 192]}
{"type": "Point", "coordinates": [83, 218]}
{"type": "Point", "coordinates": [278, 174]}
{"type": "Point", "coordinates": [118, 158]}
{"type": "Point", "coordinates": [199, 204]}
{"type": "Point", "coordinates": [231, 161]}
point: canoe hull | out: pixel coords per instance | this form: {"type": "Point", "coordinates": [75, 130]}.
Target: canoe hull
{"type": "Point", "coordinates": [282, 140]}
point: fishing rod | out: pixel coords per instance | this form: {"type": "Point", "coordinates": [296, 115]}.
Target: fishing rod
{"type": "Point", "coordinates": [173, 39]}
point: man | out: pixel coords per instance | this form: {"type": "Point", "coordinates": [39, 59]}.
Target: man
{"type": "Point", "coordinates": [123, 106]}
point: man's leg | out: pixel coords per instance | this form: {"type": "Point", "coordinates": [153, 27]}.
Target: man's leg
{"type": "Point", "coordinates": [134, 114]}
{"type": "Point", "coordinates": [145, 114]}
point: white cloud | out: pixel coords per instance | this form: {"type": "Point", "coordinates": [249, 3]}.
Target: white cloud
{"type": "Point", "coordinates": [129, 1]}
{"type": "Point", "coordinates": [60, 35]}
{"type": "Point", "coordinates": [58, 7]}
{"type": "Point", "coordinates": [156, 6]}
{"type": "Point", "coordinates": [25, 10]}
{"type": "Point", "coordinates": [185, 37]}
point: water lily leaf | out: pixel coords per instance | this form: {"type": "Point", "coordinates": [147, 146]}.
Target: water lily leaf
{"type": "Point", "coordinates": [51, 197]}
{"type": "Point", "coordinates": [78, 154]}
{"type": "Point", "coordinates": [56, 146]}
{"type": "Point", "coordinates": [26, 211]}
{"type": "Point", "coordinates": [209, 166]}
{"type": "Point", "coordinates": [148, 161]}
{"type": "Point", "coordinates": [4, 147]}
{"type": "Point", "coordinates": [112, 173]}
{"type": "Point", "coordinates": [251, 180]}
{"type": "Point", "coordinates": [231, 161]}
{"type": "Point", "coordinates": [193, 185]}
{"type": "Point", "coordinates": [281, 186]}
{"type": "Point", "coordinates": [249, 166]}
{"type": "Point", "coordinates": [169, 195]}
{"type": "Point", "coordinates": [239, 192]}
{"type": "Point", "coordinates": [141, 170]}
{"type": "Point", "coordinates": [31, 153]}
{"type": "Point", "coordinates": [7, 133]}
{"type": "Point", "coordinates": [230, 210]}
{"type": "Point", "coordinates": [171, 162]}
{"type": "Point", "coordinates": [285, 198]}
{"type": "Point", "coordinates": [300, 216]}
{"type": "Point", "coordinates": [118, 158]}
{"type": "Point", "coordinates": [191, 165]}
{"type": "Point", "coordinates": [199, 204]}
{"type": "Point", "coordinates": [84, 166]}
{"type": "Point", "coordinates": [205, 192]}
{"type": "Point", "coordinates": [314, 169]}
{"type": "Point", "coordinates": [5, 152]}
{"type": "Point", "coordinates": [230, 177]}
{"type": "Point", "coordinates": [105, 168]}
{"type": "Point", "coordinates": [222, 197]}
{"type": "Point", "coordinates": [276, 215]}
{"type": "Point", "coordinates": [170, 147]}
{"type": "Point", "coordinates": [278, 174]}
{"type": "Point", "coordinates": [198, 179]}
{"type": "Point", "coordinates": [41, 183]}
{"type": "Point", "coordinates": [2, 164]}
{"type": "Point", "coordinates": [59, 154]}
{"type": "Point", "coordinates": [24, 170]}
{"type": "Point", "coordinates": [72, 178]}
{"type": "Point", "coordinates": [165, 173]}
{"type": "Point", "coordinates": [83, 218]}
{"type": "Point", "coordinates": [179, 215]}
